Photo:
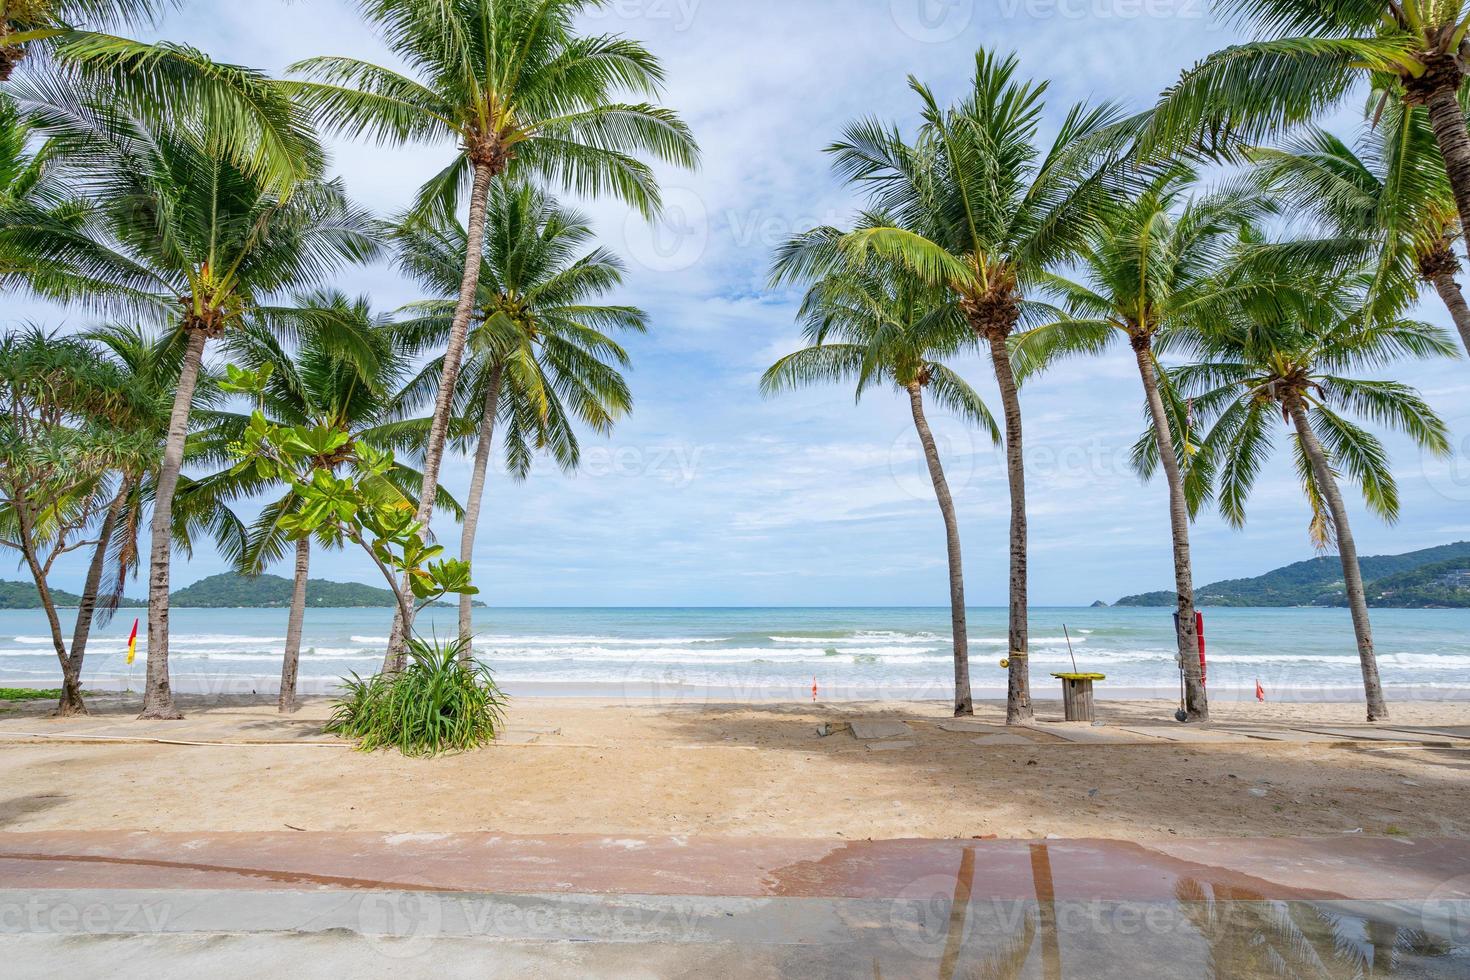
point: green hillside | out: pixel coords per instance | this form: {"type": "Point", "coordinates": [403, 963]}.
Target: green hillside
{"type": "Point", "coordinates": [1416, 579]}
{"type": "Point", "coordinates": [23, 595]}
{"type": "Point", "coordinates": [229, 591]}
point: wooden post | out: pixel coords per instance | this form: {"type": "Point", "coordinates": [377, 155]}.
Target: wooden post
{"type": "Point", "coordinates": [1077, 695]}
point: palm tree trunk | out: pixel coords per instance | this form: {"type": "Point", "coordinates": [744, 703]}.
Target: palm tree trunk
{"type": "Point", "coordinates": [1018, 685]}
{"type": "Point", "coordinates": [71, 686]}
{"type": "Point", "coordinates": [291, 662]}
{"type": "Point", "coordinates": [963, 703]}
{"type": "Point", "coordinates": [1352, 577]}
{"type": "Point", "coordinates": [1454, 301]}
{"type": "Point", "coordinates": [1448, 121]}
{"type": "Point", "coordinates": [472, 505]}
{"type": "Point", "coordinates": [158, 698]}
{"type": "Point", "coordinates": [444, 405]}
{"type": "Point", "coordinates": [70, 702]}
{"type": "Point", "coordinates": [1196, 703]}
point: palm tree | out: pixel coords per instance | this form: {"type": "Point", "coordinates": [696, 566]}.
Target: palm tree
{"type": "Point", "coordinates": [342, 374]}
{"type": "Point", "coordinates": [513, 85]}
{"type": "Point", "coordinates": [1391, 195]}
{"type": "Point", "coordinates": [1290, 352]}
{"type": "Point", "coordinates": [1307, 56]}
{"type": "Point", "coordinates": [1154, 265]}
{"type": "Point", "coordinates": [877, 326]}
{"type": "Point", "coordinates": [24, 23]}
{"type": "Point", "coordinates": [184, 234]}
{"type": "Point", "coordinates": [540, 354]}
{"type": "Point", "coordinates": [980, 209]}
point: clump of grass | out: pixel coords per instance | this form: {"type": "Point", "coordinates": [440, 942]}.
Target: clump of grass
{"type": "Point", "coordinates": [436, 704]}
{"type": "Point", "coordinates": [28, 694]}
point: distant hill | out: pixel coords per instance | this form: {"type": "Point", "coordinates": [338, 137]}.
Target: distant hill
{"type": "Point", "coordinates": [1418, 579]}
{"type": "Point", "coordinates": [23, 595]}
{"type": "Point", "coordinates": [228, 591]}
{"type": "Point", "coordinates": [231, 591]}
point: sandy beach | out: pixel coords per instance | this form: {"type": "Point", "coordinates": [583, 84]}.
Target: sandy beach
{"type": "Point", "coordinates": [734, 770]}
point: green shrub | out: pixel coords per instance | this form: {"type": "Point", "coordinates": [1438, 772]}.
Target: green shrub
{"type": "Point", "coordinates": [436, 704]}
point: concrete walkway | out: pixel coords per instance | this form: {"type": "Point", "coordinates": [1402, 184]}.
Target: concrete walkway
{"type": "Point", "coordinates": [127, 904]}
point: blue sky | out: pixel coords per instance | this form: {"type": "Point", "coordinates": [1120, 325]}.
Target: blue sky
{"type": "Point", "coordinates": [711, 495]}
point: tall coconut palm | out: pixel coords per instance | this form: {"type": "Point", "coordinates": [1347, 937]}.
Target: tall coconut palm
{"type": "Point", "coordinates": [1155, 264]}
{"type": "Point", "coordinates": [981, 208]}
{"type": "Point", "coordinates": [1306, 57]}
{"type": "Point", "coordinates": [1291, 353]}
{"type": "Point", "coordinates": [1390, 194]}
{"type": "Point", "coordinates": [513, 86]}
{"type": "Point", "coordinates": [185, 234]}
{"type": "Point", "coordinates": [24, 23]}
{"type": "Point", "coordinates": [342, 373]}
{"type": "Point", "coordinates": [885, 326]}
{"type": "Point", "coordinates": [540, 355]}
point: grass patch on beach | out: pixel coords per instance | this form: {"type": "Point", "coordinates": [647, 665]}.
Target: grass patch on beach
{"type": "Point", "coordinates": [28, 694]}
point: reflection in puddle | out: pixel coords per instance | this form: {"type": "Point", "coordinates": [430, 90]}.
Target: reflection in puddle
{"type": "Point", "coordinates": [1209, 929]}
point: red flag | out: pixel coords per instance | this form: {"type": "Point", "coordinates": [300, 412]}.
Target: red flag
{"type": "Point", "coordinates": [1260, 691]}
{"type": "Point", "coordinates": [814, 688]}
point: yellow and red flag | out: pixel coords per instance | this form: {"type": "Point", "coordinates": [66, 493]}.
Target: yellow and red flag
{"type": "Point", "coordinates": [133, 644]}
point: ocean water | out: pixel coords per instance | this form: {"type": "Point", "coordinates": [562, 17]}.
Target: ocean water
{"type": "Point", "coordinates": [1296, 654]}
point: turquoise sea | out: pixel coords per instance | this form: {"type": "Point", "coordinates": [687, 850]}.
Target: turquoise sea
{"type": "Point", "coordinates": [901, 653]}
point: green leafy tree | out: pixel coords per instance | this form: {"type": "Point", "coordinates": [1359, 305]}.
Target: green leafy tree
{"type": "Point", "coordinates": [25, 23]}
{"type": "Point", "coordinates": [343, 373]}
{"type": "Point", "coordinates": [184, 234]}
{"type": "Point", "coordinates": [1293, 353]}
{"type": "Point", "coordinates": [58, 444]}
{"type": "Point", "coordinates": [540, 356]}
{"type": "Point", "coordinates": [1155, 265]}
{"type": "Point", "coordinates": [979, 207]}
{"type": "Point", "coordinates": [1389, 194]}
{"type": "Point", "coordinates": [883, 326]}
{"type": "Point", "coordinates": [515, 88]}
{"type": "Point", "coordinates": [1306, 57]}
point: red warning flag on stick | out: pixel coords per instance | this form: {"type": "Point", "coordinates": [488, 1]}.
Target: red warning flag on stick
{"type": "Point", "coordinates": [1260, 691]}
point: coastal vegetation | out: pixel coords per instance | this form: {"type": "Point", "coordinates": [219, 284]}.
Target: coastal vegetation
{"type": "Point", "coordinates": [188, 205]}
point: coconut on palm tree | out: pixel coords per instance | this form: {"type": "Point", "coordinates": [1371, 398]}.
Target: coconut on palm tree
{"type": "Point", "coordinates": [1306, 57]}
{"type": "Point", "coordinates": [1295, 354]}
{"type": "Point", "coordinates": [1153, 265]}
{"type": "Point", "coordinates": [980, 207]}
{"type": "Point", "coordinates": [513, 86]}
{"type": "Point", "coordinates": [540, 356]}
{"type": "Point", "coordinates": [181, 233]}
{"type": "Point", "coordinates": [1387, 199]}
{"type": "Point", "coordinates": [884, 326]}
{"type": "Point", "coordinates": [343, 373]}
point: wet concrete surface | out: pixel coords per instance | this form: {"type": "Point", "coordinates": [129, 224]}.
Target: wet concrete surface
{"type": "Point", "coordinates": [487, 905]}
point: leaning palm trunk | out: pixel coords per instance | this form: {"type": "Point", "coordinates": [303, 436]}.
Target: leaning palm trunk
{"type": "Point", "coordinates": [291, 662]}
{"type": "Point", "coordinates": [1351, 575]}
{"type": "Point", "coordinates": [963, 703]}
{"type": "Point", "coordinates": [1018, 685]}
{"type": "Point", "coordinates": [444, 406]}
{"type": "Point", "coordinates": [1444, 283]}
{"type": "Point", "coordinates": [472, 505]}
{"type": "Point", "coordinates": [1196, 703]}
{"type": "Point", "coordinates": [158, 698]}
{"type": "Point", "coordinates": [71, 669]}
{"type": "Point", "coordinates": [1448, 121]}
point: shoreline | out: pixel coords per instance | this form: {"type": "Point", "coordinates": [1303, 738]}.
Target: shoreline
{"type": "Point", "coordinates": [1043, 690]}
